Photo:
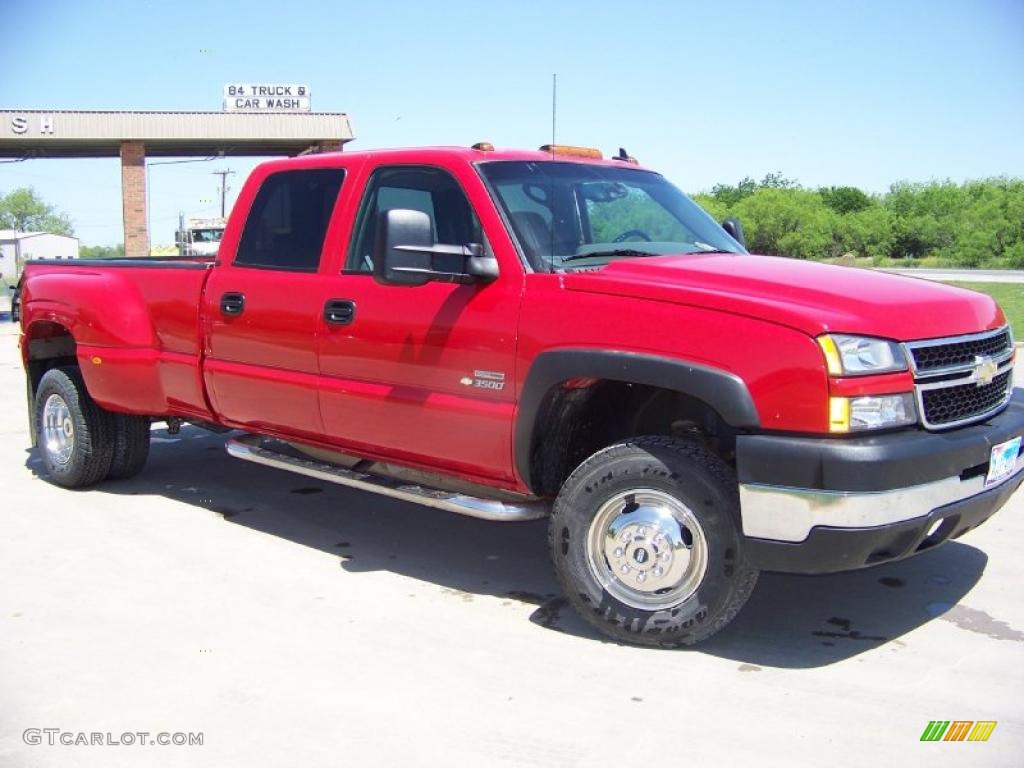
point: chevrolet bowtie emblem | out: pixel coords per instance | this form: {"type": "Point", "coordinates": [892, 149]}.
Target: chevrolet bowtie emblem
{"type": "Point", "coordinates": [985, 369]}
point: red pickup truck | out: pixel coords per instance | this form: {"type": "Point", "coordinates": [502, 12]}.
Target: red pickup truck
{"type": "Point", "coordinates": [512, 335]}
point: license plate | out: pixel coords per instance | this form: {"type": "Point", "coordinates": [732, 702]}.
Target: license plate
{"type": "Point", "coordinates": [1003, 461]}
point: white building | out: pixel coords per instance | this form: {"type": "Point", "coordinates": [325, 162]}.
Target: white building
{"type": "Point", "coordinates": [18, 247]}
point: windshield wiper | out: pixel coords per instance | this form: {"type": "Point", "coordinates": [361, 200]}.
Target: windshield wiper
{"type": "Point", "coordinates": [612, 252]}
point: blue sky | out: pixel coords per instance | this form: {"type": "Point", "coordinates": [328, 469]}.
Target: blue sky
{"type": "Point", "coordinates": [862, 93]}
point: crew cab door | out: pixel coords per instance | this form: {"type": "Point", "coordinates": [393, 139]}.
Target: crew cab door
{"type": "Point", "coordinates": [422, 375]}
{"type": "Point", "coordinates": [262, 307]}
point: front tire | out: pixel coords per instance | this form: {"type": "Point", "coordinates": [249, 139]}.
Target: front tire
{"type": "Point", "coordinates": [645, 542]}
{"type": "Point", "coordinates": [74, 435]}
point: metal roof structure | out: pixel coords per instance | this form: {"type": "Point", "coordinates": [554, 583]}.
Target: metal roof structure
{"type": "Point", "coordinates": [9, 235]}
{"type": "Point", "coordinates": [65, 133]}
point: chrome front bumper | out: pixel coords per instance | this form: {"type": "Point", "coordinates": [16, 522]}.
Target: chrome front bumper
{"type": "Point", "coordinates": [790, 514]}
{"type": "Point", "coordinates": [820, 505]}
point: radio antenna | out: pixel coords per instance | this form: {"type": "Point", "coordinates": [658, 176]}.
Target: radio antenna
{"type": "Point", "coordinates": [554, 108]}
{"type": "Point", "coordinates": [551, 194]}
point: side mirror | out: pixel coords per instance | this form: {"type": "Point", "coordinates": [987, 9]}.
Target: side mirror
{"type": "Point", "coordinates": [735, 230]}
{"type": "Point", "coordinates": [405, 254]}
{"type": "Point", "coordinates": [392, 266]}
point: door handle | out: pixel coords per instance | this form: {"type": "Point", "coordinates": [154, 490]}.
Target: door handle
{"type": "Point", "coordinates": [339, 311]}
{"type": "Point", "coordinates": [232, 303]}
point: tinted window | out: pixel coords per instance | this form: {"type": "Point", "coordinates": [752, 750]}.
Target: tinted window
{"type": "Point", "coordinates": [289, 217]}
{"type": "Point", "coordinates": [566, 215]}
{"type": "Point", "coordinates": [432, 191]}
{"type": "Point", "coordinates": [634, 207]}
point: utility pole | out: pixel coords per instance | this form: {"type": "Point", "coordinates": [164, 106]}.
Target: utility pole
{"type": "Point", "coordinates": [223, 188]}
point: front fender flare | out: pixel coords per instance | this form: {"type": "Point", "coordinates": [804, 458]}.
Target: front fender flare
{"type": "Point", "coordinates": [723, 391]}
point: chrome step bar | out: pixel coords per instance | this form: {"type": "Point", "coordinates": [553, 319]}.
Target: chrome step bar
{"type": "Point", "coordinates": [256, 449]}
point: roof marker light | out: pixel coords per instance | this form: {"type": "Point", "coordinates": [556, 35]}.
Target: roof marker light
{"type": "Point", "coordinates": [566, 149]}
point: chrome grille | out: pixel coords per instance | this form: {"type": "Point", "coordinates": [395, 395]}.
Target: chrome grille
{"type": "Point", "coordinates": [954, 404]}
{"type": "Point", "coordinates": [963, 379]}
{"type": "Point", "coordinates": [960, 353]}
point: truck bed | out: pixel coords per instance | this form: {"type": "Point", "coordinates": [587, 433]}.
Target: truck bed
{"type": "Point", "coordinates": [135, 325]}
{"type": "Point", "coordinates": [164, 262]}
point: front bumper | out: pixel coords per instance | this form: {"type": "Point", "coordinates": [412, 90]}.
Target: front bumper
{"type": "Point", "coordinates": [818, 505]}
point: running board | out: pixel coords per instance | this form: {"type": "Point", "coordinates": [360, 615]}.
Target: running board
{"type": "Point", "coordinates": [254, 448]}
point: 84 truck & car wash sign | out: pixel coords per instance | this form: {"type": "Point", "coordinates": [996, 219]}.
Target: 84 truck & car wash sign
{"type": "Point", "coordinates": [268, 97]}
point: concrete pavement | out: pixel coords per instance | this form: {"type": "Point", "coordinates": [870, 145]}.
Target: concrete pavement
{"type": "Point", "coordinates": [295, 623]}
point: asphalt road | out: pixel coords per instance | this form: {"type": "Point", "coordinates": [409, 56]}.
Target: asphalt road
{"type": "Point", "coordinates": [292, 623]}
{"type": "Point", "coordinates": [965, 275]}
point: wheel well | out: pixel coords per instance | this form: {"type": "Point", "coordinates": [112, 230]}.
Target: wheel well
{"type": "Point", "coordinates": [575, 422]}
{"type": "Point", "coordinates": [48, 345]}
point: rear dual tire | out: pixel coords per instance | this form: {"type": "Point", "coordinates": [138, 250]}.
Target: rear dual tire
{"type": "Point", "coordinates": [131, 446]}
{"type": "Point", "coordinates": [79, 442]}
{"type": "Point", "coordinates": [75, 436]}
{"type": "Point", "coordinates": [645, 541]}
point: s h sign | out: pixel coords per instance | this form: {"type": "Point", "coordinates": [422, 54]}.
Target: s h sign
{"type": "Point", "coordinates": [22, 125]}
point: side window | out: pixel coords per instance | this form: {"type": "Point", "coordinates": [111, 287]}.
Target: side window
{"type": "Point", "coordinates": [430, 190]}
{"type": "Point", "coordinates": [285, 228]}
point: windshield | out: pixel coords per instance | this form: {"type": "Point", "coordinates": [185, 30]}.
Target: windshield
{"type": "Point", "coordinates": [568, 215]}
{"type": "Point", "coordinates": [207, 235]}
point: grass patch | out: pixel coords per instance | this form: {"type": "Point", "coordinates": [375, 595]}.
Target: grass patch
{"type": "Point", "coordinates": [1010, 297]}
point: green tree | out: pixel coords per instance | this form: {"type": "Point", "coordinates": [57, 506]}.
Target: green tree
{"type": "Point", "coordinates": [845, 199]}
{"type": "Point", "coordinates": [729, 195]}
{"type": "Point", "coordinates": [865, 233]}
{"type": "Point", "coordinates": [977, 223]}
{"type": "Point", "coordinates": [101, 251]}
{"type": "Point", "coordinates": [924, 218]}
{"type": "Point", "coordinates": [788, 222]}
{"type": "Point", "coordinates": [24, 211]}
{"type": "Point", "coordinates": [777, 181]}
{"type": "Point", "coordinates": [719, 210]}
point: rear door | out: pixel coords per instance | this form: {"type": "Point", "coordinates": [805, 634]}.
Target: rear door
{"type": "Point", "coordinates": [423, 374]}
{"type": "Point", "coordinates": [263, 308]}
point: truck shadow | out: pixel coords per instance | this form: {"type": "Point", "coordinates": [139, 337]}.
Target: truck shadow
{"type": "Point", "coordinates": [811, 621]}
{"type": "Point", "coordinates": [790, 621]}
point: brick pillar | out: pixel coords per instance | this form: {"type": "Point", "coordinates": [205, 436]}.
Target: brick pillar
{"type": "Point", "coordinates": [330, 145]}
{"type": "Point", "coordinates": [133, 198]}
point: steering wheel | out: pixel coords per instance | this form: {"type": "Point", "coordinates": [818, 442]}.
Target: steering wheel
{"type": "Point", "coordinates": [538, 194]}
{"type": "Point", "coordinates": [632, 233]}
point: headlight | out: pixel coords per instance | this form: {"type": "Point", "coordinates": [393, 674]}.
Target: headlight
{"type": "Point", "coordinates": [853, 414]}
{"type": "Point", "coordinates": [859, 355]}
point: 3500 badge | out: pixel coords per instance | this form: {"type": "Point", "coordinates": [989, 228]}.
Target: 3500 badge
{"type": "Point", "coordinates": [494, 380]}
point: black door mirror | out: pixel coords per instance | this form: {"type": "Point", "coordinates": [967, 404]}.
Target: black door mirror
{"type": "Point", "coordinates": [735, 230]}
{"type": "Point", "coordinates": [405, 254]}
{"type": "Point", "coordinates": [410, 229]}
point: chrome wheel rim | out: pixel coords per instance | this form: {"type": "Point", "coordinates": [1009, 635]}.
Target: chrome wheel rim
{"type": "Point", "coordinates": [647, 549]}
{"type": "Point", "coordinates": [58, 430]}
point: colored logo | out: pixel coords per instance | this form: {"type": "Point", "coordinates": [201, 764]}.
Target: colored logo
{"type": "Point", "coordinates": [958, 730]}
